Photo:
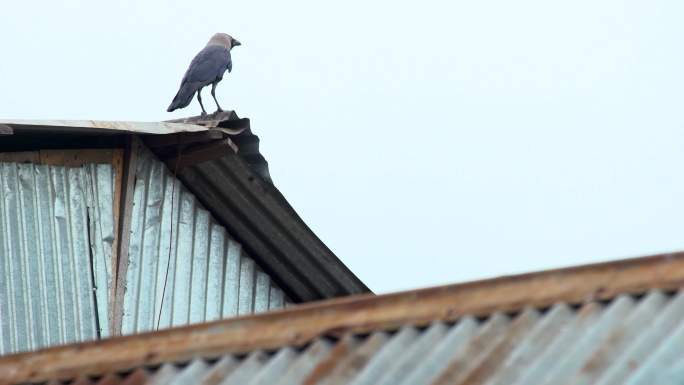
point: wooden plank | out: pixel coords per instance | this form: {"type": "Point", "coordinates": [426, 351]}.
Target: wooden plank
{"type": "Point", "coordinates": [118, 165]}
{"type": "Point", "coordinates": [125, 212]}
{"type": "Point", "coordinates": [209, 120]}
{"type": "Point", "coordinates": [67, 158]}
{"type": "Point", "coordinates": [20, 157]}
{"type": "Point", "coordinates": [185, 138]}
{"type": "Point", "coordinates": [44, 141]}
{"type": "Point", "coordinates": [76, 158]}
{"type": "Point", "coordinates": [235, 126]}
{"type": "Point", "coordinates": [358, 314]}
{"type": "Point", "coordinates": [200, 153]}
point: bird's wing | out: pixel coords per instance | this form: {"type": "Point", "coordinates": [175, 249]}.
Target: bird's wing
{"type": "Point", "coordinates": [208, 64]}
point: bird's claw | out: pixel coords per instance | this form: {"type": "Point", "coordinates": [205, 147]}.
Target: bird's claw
{"type": "Point", "coordinates": [204, 113]}
{"type": "Point", "coordinates": [218, 110]}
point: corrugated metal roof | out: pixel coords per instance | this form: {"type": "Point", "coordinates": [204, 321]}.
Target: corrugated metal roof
{"type": "Point", "coordinates": [174, 239]}
{"type": "Point", "coordinates": [46, 283]}
{"type": "Point", "coordinates": [629, 340]}
{"type": "Point", "coordinates": [235, 187]}
{"type": "Point", "coordinates": [256, 213]}
{"type": "Point", "coordinates": [615, 323]}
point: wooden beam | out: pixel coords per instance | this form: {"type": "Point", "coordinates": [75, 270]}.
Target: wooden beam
{"type": "Point", "coordinates": [226, 121]}
{"type": "Point", "coordinates": [76, 158]}
{"type": "Point", "coordinates": [119, 171]}
{"type": "Point", "coordinates": [67, 158]}
{"type": "Point", "coordinates": [209, 120]}
{"type": "Point", "coordinates": [199, 153]}
{"type": "Point", "coordinates": [184, 138]}
{"type": "Point", "coordinates": [235, 126]}
{"type": "Point", "coordinates": [20, 157]}
{"type": "Point", "coordinates": [359, 314]}
{"type": "Point", "coordinates": [125, 213]}
{"type": "Point", "coordinates": [35, 142]}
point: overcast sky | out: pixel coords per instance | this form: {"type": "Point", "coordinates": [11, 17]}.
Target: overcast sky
{"type": "Point", "coordinates": [425, 142]}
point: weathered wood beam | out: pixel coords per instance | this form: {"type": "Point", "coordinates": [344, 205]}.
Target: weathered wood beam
{"type": "Point", "coordinates": [181, 139]}
{"type": "Point", "coordinates": [209, 120]}
{"type": "Point", "coordinates": [199, 153]}
{"type": "Point", "coordinates": [124, 216]}
{"type": "Point", "coordinates": [118, 163]}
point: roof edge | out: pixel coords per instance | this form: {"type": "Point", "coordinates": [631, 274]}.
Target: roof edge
{"type": "Point", "coordinates": [364, 313]}
{"type": "Point", "coordinates": [99, 126]}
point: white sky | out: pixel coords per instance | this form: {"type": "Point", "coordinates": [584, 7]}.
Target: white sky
{"type": "Point", "coordinates": [425, 142]}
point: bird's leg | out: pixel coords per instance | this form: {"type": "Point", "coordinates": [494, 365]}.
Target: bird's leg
{"type": "Point", "coordinates": [199, 99]}
{"type": "Point", "coordinates": [213, 94]}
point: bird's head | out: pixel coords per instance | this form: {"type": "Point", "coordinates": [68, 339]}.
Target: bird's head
{"type": "Point", "coordinates": [225, 40]}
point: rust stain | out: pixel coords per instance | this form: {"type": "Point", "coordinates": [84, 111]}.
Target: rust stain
{"type": "Point", "coordinates": [337, 354]}
{"type": "Point", "coordinates": [633, 365]}
{"type": "Point", "coordinates": [459, 364]}
{"type": "Point", "coordinates": [519, 328]}
{"type": "Point", "coordinates": [220, 371]}
{"type": "Point", "coordinates": [138, 377]}
{"type": "Point", "coordinates": [82, 381]}
{"type": "Point", "coordinates": [356, 360]}
{"type": "Point", "coordinates": [602, 357]}
{"type": "Point", "coordinates": [110, 379]}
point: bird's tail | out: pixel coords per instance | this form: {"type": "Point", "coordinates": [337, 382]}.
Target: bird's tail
{"type": "Point", "coordinates": [183, 97]}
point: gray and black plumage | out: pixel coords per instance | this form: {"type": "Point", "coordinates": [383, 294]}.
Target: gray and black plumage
{"type": "Point", "coordinates": [206, 68]}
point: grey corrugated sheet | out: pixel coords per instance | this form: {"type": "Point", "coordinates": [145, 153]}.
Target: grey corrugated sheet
{"type": "Point", "coordinates": [208, 276]}
{"type": "Point", "coordinates": [46, 281]}
{"type": "Point", "coordinates": [637, 340]}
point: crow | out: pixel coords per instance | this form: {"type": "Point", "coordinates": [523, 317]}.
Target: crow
{"type": "Point", "coordinates": [206, 68]}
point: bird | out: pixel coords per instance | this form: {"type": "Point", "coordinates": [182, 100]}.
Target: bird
{"type": "Point", "coordinates": [206, 68]}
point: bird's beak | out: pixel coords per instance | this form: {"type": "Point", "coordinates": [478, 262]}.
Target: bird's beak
{"type": "Point", "coordinates": [236, 43]}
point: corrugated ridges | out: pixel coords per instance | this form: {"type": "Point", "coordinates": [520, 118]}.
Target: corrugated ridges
{"type": "Point", "coordinates": [100, 194]}
{"type": "Point", "coordinates": [636, 340]}
{"type": "Point", "coordinates": [46, 282]}
{"type": "Point", "coordinates": [241, 197]}
{"type": "Point", "coordinates": [175, 240]}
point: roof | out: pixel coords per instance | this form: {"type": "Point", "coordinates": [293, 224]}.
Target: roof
{"type": "Point", "coordinates": [606, 323]}
{"type": "Point", "coordinates": [217, 157]}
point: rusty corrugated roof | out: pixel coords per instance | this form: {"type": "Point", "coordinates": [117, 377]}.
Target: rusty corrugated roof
{"type": "Point", "coordinates": [611, 323]}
